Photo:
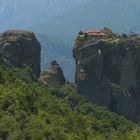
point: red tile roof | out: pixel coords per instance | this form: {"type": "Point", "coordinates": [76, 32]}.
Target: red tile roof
{"type": "Point", "coordinates": [96, 32]}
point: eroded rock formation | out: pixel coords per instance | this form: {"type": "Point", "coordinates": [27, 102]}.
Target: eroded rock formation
{"type": "Point", "coordinates": [20, 49]}
{"type": "Point", "coordinates": [108, 71]}
{"type": "Point", "coordinates": [53, 76]}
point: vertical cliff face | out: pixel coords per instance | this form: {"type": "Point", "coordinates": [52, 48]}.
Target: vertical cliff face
{"type": "Point", "coordinates": [53, 76]}
{"type": "Point", "coordinates": [20, 49]}
{"type": "Point", "coordinates": [89, 75]}
{"type": "Point", "coordinates": [107, 71]}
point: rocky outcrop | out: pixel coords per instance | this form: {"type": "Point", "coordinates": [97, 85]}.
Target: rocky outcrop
{"type": "Point", "coordinates": [108, 72]}
{"type": "Point", "coordinates": [20, 49]}
{"type": "Point", "coordinates": [53, 76]}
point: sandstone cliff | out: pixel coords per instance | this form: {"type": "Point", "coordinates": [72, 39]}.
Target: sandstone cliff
{"type": "Point", "coordinates": [20, 49]}
{"type": "Point", "coordinates": [108, 71]}
{"type": "Point", "coordinates": [53, 76]}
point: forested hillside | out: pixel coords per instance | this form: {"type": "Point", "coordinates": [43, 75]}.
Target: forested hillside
{"type": "Point", "coordinates": [30, 110]}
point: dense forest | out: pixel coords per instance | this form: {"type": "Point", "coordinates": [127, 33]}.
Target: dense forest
{"type": "Point", "coordinates": [30, 110]}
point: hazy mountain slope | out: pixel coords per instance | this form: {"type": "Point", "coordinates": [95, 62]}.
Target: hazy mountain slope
{"type": "Point", "coordinates": [70, 17]}
{"type": "Point", "coordinates": [53, 49]}
{"type": "Point", "coordinates": [25, 13]}
{"type": "Point", "coordinates": [120, 15]}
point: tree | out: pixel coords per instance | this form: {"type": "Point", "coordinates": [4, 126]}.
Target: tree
{"type": "Point", "coordinates": [81, 33]}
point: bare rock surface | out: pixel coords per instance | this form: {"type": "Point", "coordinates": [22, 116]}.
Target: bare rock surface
{"type": "Point", "coordinates": [20, 49]}
{"type": "Point", "coordinates": [53, 76]}
{"type": "Point", "coordinates": [107, 69]}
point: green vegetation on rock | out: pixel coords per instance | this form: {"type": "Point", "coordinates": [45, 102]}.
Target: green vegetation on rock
{"type": "Point", "coordinates": [30, 110]}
